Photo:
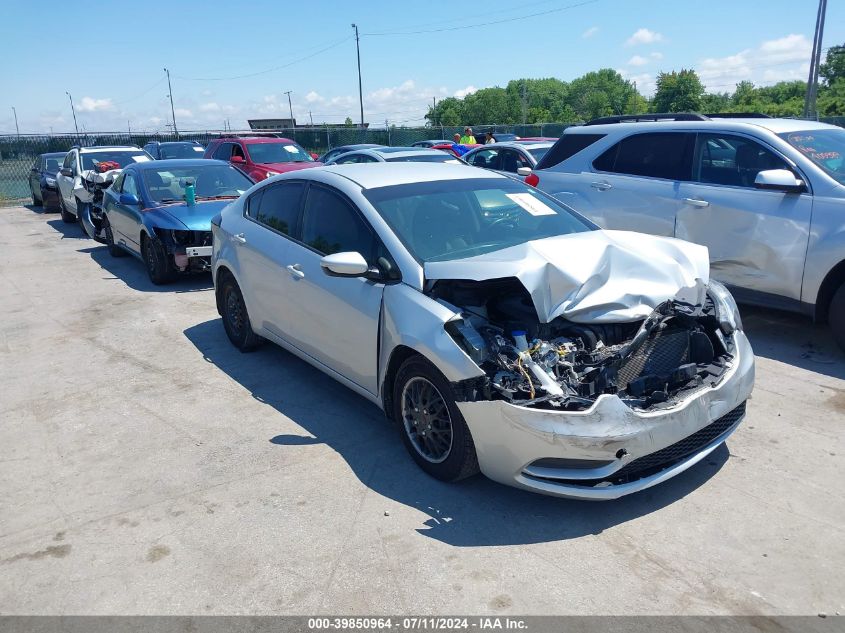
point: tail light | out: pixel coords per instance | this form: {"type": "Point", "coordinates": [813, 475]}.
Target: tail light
{"type": "Point", "coordinates": [532, 179]}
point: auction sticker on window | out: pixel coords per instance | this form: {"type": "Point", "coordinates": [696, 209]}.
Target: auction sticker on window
{"type": "Point", "coordinates": [293, 149]}
{"type": "Point", "coordinates": [531, 204]}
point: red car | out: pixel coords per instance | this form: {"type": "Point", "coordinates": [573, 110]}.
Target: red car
{"type": "Point", "coordinates": [260, 157]}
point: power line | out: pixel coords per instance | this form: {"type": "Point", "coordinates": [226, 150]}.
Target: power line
{"type": "Point", "coordinates": [269, 70]}
{"type": "Point", "coordinates": [140, 94]}
{"type": "Point", "coordinates": [480, 24]}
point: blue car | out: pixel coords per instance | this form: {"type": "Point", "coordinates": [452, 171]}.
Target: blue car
{"type": "Point", "coordinates": [150, 212]}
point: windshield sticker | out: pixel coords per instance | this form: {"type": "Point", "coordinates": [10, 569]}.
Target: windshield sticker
{"type": "Point", "coordinates": [826, 155]}
{"type": "Point", "coordinates": [293, 149]}
{"type": "Point", "coordinates": [199, 149]}
{"type": "Point", "coordinates": [140, 158]}
{"type": "Point", "coordinates": [531, 204]}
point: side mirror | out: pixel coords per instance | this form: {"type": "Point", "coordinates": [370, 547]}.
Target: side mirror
{"type": "Point", "coordinates": [779, 180]}
{"type": "Point", "coordinates": [523, 171]}
{"type": "Point", "coordinates": [129, 199]}
{"type": "Point", "coordinates": [238, 160]}
{"type": "Point", "coordinates": [66, 171]}
{"type": "Point", "coordinates": [349, 264]}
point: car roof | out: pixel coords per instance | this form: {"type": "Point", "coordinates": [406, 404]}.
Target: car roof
{"type": "Point", "coordinates": [177, 162]}
{"type": "Point", "coordinates": [403, 152]}
{"type": "Point", "coordinates": [356, 146]}
{"type": "Point", "coordinates": [110, 148]}
{"type": "Point", "coordinates": [49, 154]}
{"type": "Point", "coordinates": [777, 126]}
{"type": "Point", "coordinates": [177, 142]}
{"type": "Point", "coordinates": [370, 176]}
{"type": "Point", "coordinates": [514, 145]}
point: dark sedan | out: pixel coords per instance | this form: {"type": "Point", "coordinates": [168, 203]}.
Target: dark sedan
{"type": "Point", "coordinates": [174, 149]}
{"type": "Point", "coordinates": [42, 180]}
{"type": "Point", "coordinates": [342, 149]}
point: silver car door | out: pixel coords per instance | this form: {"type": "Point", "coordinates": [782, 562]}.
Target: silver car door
{"type": "Point", "coordinates": [757, 238]}
{"type": "Point", "coordinates": [634, 184]}
{"type": "Point", "coordinates": [65, 183]}
{"type": "Point", "coordinates": [262, 240]}
{"type": "Point", "coordinates": [335, 320]}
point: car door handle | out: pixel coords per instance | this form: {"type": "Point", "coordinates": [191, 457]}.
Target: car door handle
{"type": "Point", "coordinates": [294, 270]}
{"type": "Point", "coordinates": [696, 202]}
{"type": "Point", "coordinates": [240, 237]}
{"type": "Point", "coordinates": [601, 186]}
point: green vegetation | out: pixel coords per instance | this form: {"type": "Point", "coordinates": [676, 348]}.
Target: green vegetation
{"type": "Point", "coordinates": [606, 92]}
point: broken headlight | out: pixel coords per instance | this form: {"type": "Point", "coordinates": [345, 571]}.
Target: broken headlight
{"type": "Point", "coordinates": [726, 309]}
{"type": "Point", "coordinates": [468, 339]}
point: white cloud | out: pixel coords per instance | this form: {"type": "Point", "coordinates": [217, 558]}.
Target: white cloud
{"type": "Point", "coordinates": [590, 32]}
{"type": "Point", "coordinates": [89, 104]}
{"type": "Point", "coordinates": [775, 60]}
{"type": "Point", "coordinates": [463, 92]}
{"type": "Point", "coordinates": [313, 97]}
{"type": "Point", "coordinates": [637, 60]}
{"type": "Point", "coordinates": [210, 107]}
{"type": "Point", "coordinates": [645, 82]}
{"type": "Point", "coordinates": [184, 113]}
{"type": "Point", "coordinates": [656, 55]}
{"type": "Point", "coordinates": [644, 36]}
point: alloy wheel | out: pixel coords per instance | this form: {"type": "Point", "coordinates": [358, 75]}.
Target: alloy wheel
{"type": "Point", "coordinates": [426, 418]}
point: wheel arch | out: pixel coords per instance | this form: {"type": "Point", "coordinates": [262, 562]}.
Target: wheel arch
{"type": "Point", "coordinates": [834, 278]}
{"type": "Point", "coordinates": [399, 355]}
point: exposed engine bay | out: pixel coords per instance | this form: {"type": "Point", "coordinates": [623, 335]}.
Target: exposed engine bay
{"type": "Point", "coordinates": [679, 347]}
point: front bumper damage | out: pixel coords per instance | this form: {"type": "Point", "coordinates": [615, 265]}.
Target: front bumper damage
{"type": "Point", "coordinates": [609, 450]}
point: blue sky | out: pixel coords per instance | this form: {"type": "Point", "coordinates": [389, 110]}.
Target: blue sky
{"type": "Point", "coordinates": [411, 51]}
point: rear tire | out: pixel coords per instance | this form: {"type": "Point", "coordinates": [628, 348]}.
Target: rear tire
{"type": "Point", "coordinates": [836, 316]}
{"type": "Point", "coordinates": [114, 249]}
{"type": "Point", "coordinates": [432, 427]}
{"type": "Point", "coordinates": [235, 315]}
{"type": "Point", "coordinates": [159, 264]}
{"type": "Point", "coordinates": [67, 216]}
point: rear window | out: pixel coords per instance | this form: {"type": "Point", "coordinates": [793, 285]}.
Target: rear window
{"type": "Point", "coordinates": [655, 155]}
{"type": "Point", "coordinates": [567, 146]}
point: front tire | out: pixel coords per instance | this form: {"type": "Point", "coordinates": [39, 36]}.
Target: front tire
{"type": "Point", "coordinates": [159, 264]}
{"type": "Point", "coordinates": [36, 202]}
{"type": "Point", "coordinates": [836, 316]}
{"type": "Point", "coordinates": [67, 216]}
{"type": "Point", "coordinates": [235, 315]}
{"type": "Point", "coordinates": [114, 249]}
{"type": "Point", "coordinates": [432, 427]}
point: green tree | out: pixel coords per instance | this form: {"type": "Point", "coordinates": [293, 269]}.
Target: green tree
{"type": "Point", "coordinates": [348, 122]}
{"type": "Point", "coordinates": [600, 93]}
{"type": "Point", "coordinates": [678, 92]}
{"type": "Point", "coordinates": [833, 68]}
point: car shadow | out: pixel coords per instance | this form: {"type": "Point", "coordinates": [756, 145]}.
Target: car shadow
{"type": "Point", "coordinates": [131, 271]}
{"type": "Point", "coordinates": [793, 339]}
{"type": "Point", "coordinates": [474, 512]}
{"type": "Point", "coordinates": [69, 231]}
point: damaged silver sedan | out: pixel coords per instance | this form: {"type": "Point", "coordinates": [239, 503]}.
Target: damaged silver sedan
{"type": "Point", "coordinates": [498, 329]}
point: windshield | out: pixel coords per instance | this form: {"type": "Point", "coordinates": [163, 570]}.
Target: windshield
{"type": "Point", "coordinates": [181, 150]}
{"type": "Point", "coordinates": [278, 153]}
{"type": "Point", "coordinates": [53, 163]}
{"type": "Point", "coordinates": [538, 152]}
{"type": "Point", "coordinates": [824, 147]}
{"type": "Point", "coordinates": [424, 157]}
{"type": "Point", "coordinates": [90, 160]}
{"type": "Point", "coordinates": [211, 181]}
{"type": "Point", "coordinates": [453, 219]}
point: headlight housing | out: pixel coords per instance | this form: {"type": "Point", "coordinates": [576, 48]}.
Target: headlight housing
{"type": "Point", "coordinates": [726, 309]}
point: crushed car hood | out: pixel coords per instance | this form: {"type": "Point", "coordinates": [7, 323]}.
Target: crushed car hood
{"type": "Point", "coordinates": [196, 217]}
{"type": "Point", "coordinates": [591, 277]}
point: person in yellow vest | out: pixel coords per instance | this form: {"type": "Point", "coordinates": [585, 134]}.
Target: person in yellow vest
{"type": "Point", "coordinates": [468, 138]}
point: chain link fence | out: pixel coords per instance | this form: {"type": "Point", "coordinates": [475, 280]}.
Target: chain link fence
{"type": "Point", "coordinates": [18, 152]}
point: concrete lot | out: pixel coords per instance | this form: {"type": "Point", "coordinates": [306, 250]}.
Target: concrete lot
{"type": "Point", "coordinates": [146, 467]}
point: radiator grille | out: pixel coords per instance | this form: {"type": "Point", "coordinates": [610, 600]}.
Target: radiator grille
{"type": "Point", "coordinates": [661, 354]}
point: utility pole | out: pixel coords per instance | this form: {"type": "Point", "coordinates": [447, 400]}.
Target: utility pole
{"type": "Point", "coordinates": [73, 110]}
{"type": "Point", "coordinates": [360, 90]}
{"type": "Point", "coordinates": [434, 111]}
{"type": "Point", "coordinates": [813, 79]}
{"type": "Point", "coordinates": [524, 105]}
{"type": "Point", "coordinates": [311, 116]}
{"type": "Point", "coordinates": [17, 129]}
{"type": "Point", "coordinates": [172, 109]}
{"type": "Point", "coordinates": [290, 107]}
{"type": "Point", "coordinates": [129, 127]}
{"type": "Point", "coordinates": [387, 127]}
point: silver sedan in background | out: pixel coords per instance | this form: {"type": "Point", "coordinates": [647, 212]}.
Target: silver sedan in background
{"type": "Point", "coordinates": [510, 157]}
{"type": "Point", "coordinates": [499, 330]}
{"type": "Point", "coordinates": [396, 155]}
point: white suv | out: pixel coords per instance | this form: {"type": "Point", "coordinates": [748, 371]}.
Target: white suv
{"type": "Point", "coordinates": [81, 159]}
{"type": "Point", "coordinates": [766, 196]}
